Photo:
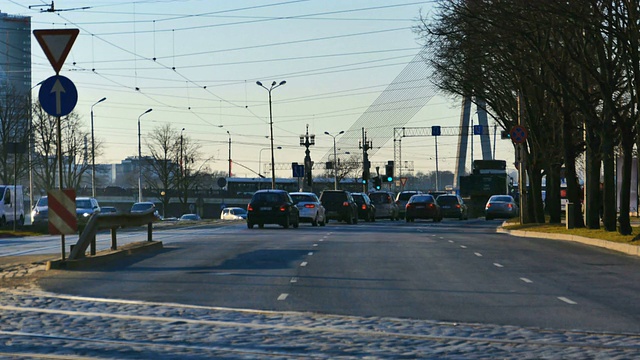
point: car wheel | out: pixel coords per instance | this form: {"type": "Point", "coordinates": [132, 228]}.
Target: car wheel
{"type": "Point", "coordinates": [286, 223]}
{"type": "Point", "coordinates": [350, 220]}
{"type": "Point", "coordinates": [261, 226]}
{"type": "Point", "coordinates": [296, 224]}
{"type": "Point", "coordinates": [488, 218]}
{"type": "Point", "coordinates": [324, 222]}
{"type": "Point", "coordinates": [250, 225]}
{"type": "Point", "coordinates": [373, 218]}
{"type": "Point", "coordinates": [407, 219]}
{"type": "Point", "coordinates": [314, 222]}
{"type": "Point", "coordinates": [355, 219]}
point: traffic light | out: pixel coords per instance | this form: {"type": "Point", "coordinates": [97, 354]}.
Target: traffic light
{"type": "Point", "coordinates": [377, 182]}
{"type": "Point", "coordinates": [388, 170]}
{"type": "Point", "coordinates": [504, 134]}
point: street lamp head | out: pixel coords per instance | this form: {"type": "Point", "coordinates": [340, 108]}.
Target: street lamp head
{"type": "Point", "coordinates": [341, 132]}
{"type": "Point", "coordinates": [281, 82]}
{"type": "Point", "coordinates": [326, 132]}
{"type": "Point", "coordinates": [279, 147]}
{"type": "Point", "coordinates": [273, 83]}
{"type": "Point", "coordinates": [259, 83]}
{"type": "Point", "coordinates": [148, 111]}
{"type": "Point", "coordinates": [101, 100]}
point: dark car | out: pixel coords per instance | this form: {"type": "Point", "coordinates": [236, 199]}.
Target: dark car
{"type": "Point", "coordinates": [501, 206]}
{"type": "Point", "coordinates": [402, 198]}
{"type": "Point", "coordinates": [452, 206]}
{"type": "Point", "coordinates": [366, 209]}
{"type": "Point", "coordinates": [272, 207]}
{"type": "Point", "coordinates": [85, 207]}
{"type": "Point", "coordinates": [422, 206]}
{"type": "Point", "coordinates": [339, 205]}
{"type": "Point", "coordinates": [385, 205]}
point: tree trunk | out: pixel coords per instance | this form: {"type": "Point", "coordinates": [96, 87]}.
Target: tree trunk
{"type": "Point", "coordinates": [552, 202]}
{"type": "Point", "coordinates": [625, 184]}
{"type": "Point", "coordinates": [592, 181]}
{"type": "Point", "coordinates": [609, 183]}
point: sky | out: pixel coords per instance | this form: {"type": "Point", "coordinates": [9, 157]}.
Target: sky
{"type": "Point", "coordinates": [196, 63]}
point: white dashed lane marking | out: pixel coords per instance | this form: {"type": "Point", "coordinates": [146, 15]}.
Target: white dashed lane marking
{"type": "Point", "coordinates": [462, 246]}
{"type": "Point", "coordinates": [498, 265]}
{"type": "Point", "coordinates": [477, 254]}
{"type": "Point", "coordinates": [526, 280]}
{"type": "Point", "coordinates": [293, 280]}
{"type": "Point", "coordinates": [304, 263]}
{"type": "Point", "coordinates": [567, 300]}
{"type": "Point", "coordinates": [282, 297]}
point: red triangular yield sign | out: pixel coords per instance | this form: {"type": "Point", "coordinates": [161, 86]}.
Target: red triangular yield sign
{"type": "Point", "coordinates": [56, 44]}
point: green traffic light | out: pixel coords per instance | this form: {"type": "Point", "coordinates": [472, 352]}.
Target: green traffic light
{"type": "Point", "coordinates": [390, 179]}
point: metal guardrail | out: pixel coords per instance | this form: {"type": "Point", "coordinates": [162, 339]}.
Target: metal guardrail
{"type": "Point", "coordinates": [99, 221]}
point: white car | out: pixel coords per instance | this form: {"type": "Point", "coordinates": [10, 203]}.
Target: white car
{"type": "Point", "coordinates": [311, 209]}
{"type": "Point", "coordinates": [233, 213]}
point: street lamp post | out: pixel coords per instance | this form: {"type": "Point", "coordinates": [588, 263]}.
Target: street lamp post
{"type": "Point", "coordinates": [93, 152]}
{"type": "Point", "coordinates": [273, 160]}
{"type": "Point", "coordinates": [228, 133]}
{"type": "Point", "coordinates": [335, 162]}
{"type": "Point", "coordinates": [260, 161]}
{"type": "Point", "coordinates": [140, 158]}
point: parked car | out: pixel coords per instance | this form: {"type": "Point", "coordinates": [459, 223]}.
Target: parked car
{"type": "Point", "coordinates": [311, 209]}
{"type": "Point", "coordinates": [85, 207]}
{"type": "Point", "coordinates": [40, 212]}
{"type": "Point", "coordinates": [452, 206]}
{"type": "Point", "coordinates": [190, 217]}
{"type": "Point", "coordinates": [402, 198]}
{"type": "Point", "coordinates": [423, 206]}
{"type": "Point", "coordinates": [340, 206]}
{"type": "Point", "coordinates": [366, 210]}
{"type": "Point", "coordinates": [385, 205]}
{"type": "Point", "coordinates": [233, 213]}
{"type": "Point", "coordinates": [501, 206]}
{"type": "Point", "coordinates": [272, 207]}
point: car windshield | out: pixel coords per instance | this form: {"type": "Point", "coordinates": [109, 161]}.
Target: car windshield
{"type": "Point", "coordinates": [141, 207]}
{"type": "Point", "coordinates": [43, 202]}
{"type": "Point", "coordinates": [83, 204]}
{"type": "Point", "coordinates": [332, 196]}
{"type": "Point", "coordinates": [239, 211]}
{"type": "Point", "coordinates": [405, 196]}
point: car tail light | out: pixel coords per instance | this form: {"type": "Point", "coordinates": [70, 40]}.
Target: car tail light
{"type": "Point", "coordinates": [509, 206]}
{"type": "Point", "coordinates": [283, 208]}
{"type": "Point", "coordinates": [346, 203]}
{"type": "Point", "coordinates": [408, 206]}
{"type": "Point", "coordinates": [310, 206]}
{"type": "Point", "coordinates": [458, 206]}
{"type": "Point", "coordinates": [364, 207]}
{"type": "Point", "coordinates": [488, 206]}
{"type": "Point", "coordinates": [249, 207]}
{"type": "Point", "coordinates": [431, 205]}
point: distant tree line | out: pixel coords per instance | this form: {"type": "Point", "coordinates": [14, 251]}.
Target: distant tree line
{"type": "Point", "coordinates": [570, 70]}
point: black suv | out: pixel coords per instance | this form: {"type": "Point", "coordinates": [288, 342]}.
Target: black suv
{"type": "Point", "coordinates": [272, 207]}
{"type": "Point", "coordinates": [366, 210]}
{"type": "Point", "coordinates": [339, 205]}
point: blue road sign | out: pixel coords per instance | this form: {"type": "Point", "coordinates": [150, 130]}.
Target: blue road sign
{"type": "Point", "coordinates": [298, 170]}
{"type": "Point", "coordinates": [436, 130]}
{"type": "Point", "coordinates": [58, 95]}
{"type": "Point", "coordinates": [477, 129]}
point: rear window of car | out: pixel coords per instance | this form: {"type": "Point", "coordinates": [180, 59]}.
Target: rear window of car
{"type": "Point", "coordinates": [334, 196]}
{"type": "Point", "coordinates": [141, 207]}
{"type": "Point", "coordinates": [359, 199]}
{"type": "Point", "coordinates": [379, 198]}
{"type": "Point", "coordinates": [303, 198]}
{"type": "Point", "coordinates": [447, 200]}
{"type": "Point", "coordinates": [267, 197]}
{"type": "Point", "coordinates": [405, 196]}
{"type": "Point", "coordinates": [43, 202]}
{"type": "Point", "coordinates": [83, 204]}
{"type": "Point", "coordinates": [502, 199]}
{"type": "Point", "coordinates": [422, 199]}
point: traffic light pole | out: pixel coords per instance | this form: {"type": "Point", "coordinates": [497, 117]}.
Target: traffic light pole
{"type": "Point", "coordinates": [365, 145]}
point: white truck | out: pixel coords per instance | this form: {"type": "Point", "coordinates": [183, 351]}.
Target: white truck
{"type": "Point", "coordinates": [11, 204]}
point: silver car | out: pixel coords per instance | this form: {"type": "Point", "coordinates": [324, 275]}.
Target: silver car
{"type": "Point", "coordinates": [311, 210]}
{"type": "Point", "coordinates": [233, 213]}
{"type": "Point", "coordinates": [501, 206]}
{"type": "Point", "coordinates": [386, 207]}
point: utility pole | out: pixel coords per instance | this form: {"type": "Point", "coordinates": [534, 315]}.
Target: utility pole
{"type": "Point", "coordinates": [365, 145]}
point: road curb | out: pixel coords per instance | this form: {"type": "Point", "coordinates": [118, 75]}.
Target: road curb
{"type": "Point", "coordinates": [628, 249]}
{"type": "Point", "coordinates": [106, 257]}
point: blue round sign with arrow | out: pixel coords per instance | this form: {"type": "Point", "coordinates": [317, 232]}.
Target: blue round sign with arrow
{"type": "Point", "coordinates": [58, 96]}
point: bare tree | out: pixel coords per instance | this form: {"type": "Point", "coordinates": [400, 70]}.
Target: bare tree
{"type": "Point", "coordinates": [14, 129]}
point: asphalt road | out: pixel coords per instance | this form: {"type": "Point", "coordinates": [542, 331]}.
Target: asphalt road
{"type": "Point", "coordinates": [458, 271]}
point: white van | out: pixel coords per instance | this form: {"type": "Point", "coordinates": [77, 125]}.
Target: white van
{"type": "Point", "coordinates": [11, 204]}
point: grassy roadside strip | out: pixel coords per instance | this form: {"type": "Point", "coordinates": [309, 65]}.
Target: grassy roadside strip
{"type": "Point", "coordinates": [601, 234]}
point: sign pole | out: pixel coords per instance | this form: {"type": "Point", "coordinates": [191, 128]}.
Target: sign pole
{"type": "Point", "coordinates": [59, 144]}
